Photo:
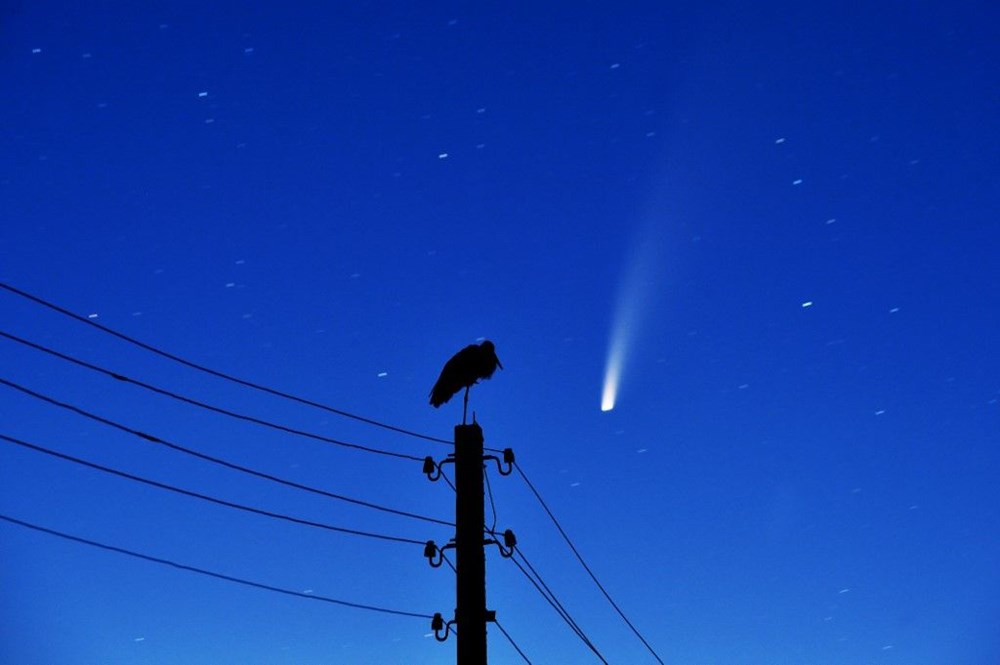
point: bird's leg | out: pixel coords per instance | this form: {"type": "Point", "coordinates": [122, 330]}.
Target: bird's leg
{"type": "Point", "coordinates": [465, 404]}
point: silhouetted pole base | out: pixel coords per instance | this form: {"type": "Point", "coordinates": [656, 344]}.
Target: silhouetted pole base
{"type": "Point", "coordinates": [470, 557]}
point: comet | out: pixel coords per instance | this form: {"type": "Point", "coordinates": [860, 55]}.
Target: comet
{"type": "Point", "coordinates": [620, 342]}
{"type": "Point", "coordinates": [612, 375]}
{"type": "Point", "coordinates": [631, 304]}
{"type": "Point", "coordinates": [618, 348]}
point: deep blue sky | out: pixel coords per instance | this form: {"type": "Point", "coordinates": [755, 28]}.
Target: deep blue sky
{"type": "Point", "coordinates": [802, 463]}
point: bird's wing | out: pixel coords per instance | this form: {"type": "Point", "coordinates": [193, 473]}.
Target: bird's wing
{"type": "Point", "coordinates": [448, 383]}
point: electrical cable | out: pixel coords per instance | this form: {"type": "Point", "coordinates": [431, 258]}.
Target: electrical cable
{"type": "Point", "coordinates": [493, 506]}
{"type": "Point", "coordinates": [219, 461]}
{"type": "Point", "coordinates": [561, 612]}
{"type": "Point", "coordinates": [447, 480]}
{"type": "Point", "coordinates": [209, 573]}
{"type": "Point", "coordinates": [445, 558]}
{"type": "Point", "coordinates": [213, 372]}
{"type": "Point", "coordinates": [511, 640]}
{"type": "Point", "coordinates": [579, 558]}
{"type": "Point", "coordinates": [203, 405]}
{"type": "Point", "coordinates": [520, 553]}
{"type": "Point", "coordinates": [204, 497]}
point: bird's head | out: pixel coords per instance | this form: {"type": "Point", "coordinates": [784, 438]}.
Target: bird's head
{"type": "Point", "coordinates": [488, 347]}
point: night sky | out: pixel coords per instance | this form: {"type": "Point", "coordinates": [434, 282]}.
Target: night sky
{"type": "Point", "coordinates": [769, 230]}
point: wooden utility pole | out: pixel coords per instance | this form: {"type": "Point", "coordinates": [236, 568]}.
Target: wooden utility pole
{"type": "Point", "coordinates": [470, 555]}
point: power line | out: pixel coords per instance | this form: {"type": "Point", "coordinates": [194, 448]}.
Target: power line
{"type": "Point", "coordinates": [493, 506]}
{"type": "Point", "coordinates": [600, 586]}
{"type": "Point", "coordinates": [203, 405]}
{"type": "Point", "coordinates": [551, 594]}
{"type": "Point", "coordinates": [557, 606]}
{"type": "Point", "coordinates": [213, 372]}
{"type": "Point", "coordinates": [216, 460]}
{"type": "Point", "coordinates": [445, 558]}
{"type": "Point", "coordinates": [201, 571]}
{"type": "Point", "coordinates": [447, 481]}
{"type": "Point", "coordinates": [204, 497]}
{"type": "Point", "coordinates": [512, 642]}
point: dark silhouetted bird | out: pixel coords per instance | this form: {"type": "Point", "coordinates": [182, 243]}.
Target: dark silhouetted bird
{"type": "Point", "coordinates": [465, 369]}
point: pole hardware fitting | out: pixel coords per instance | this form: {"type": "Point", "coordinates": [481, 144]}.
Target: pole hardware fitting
{"type": "Point", "coordinates": [508, 462]}
{"type": "Point", "coordinates": [438, 625]}
{"type": "Point", "coordinates": [509, 543]}
{"type": "Point", "coordinates": [431, 550]}
{"type": "Point", "coordinates": [432, 469]}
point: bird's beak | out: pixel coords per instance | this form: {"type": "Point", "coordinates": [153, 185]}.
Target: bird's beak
{"type": "Point", "coordinates": [499, 364]}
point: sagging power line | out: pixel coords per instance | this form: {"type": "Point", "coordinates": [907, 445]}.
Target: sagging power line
{"type": "Point", "coordinates": [204, 497]}
{"type": "Point", "coordinates": [213, 372]}
{"type": "Point", "coordinates": [202, 571]}
{"type": "Point", "coordinates": [512, 642]}
{"type": "Point", "coordinates": [543, 589]}
{"type": "Point", "coordinates": [583, 563]}
{"type": "Point", "coordinates": [216, 460]}
{"type": "Point", "coordinates": [204, 405]}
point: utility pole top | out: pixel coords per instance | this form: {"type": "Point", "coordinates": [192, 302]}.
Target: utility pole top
{"type": "Point", "coordinates": [466, 432]}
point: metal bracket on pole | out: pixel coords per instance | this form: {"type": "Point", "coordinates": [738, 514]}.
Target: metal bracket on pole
{"type": "Point", "coordinates": [508, 461]}
{"type": "Point", "coordinates": [438, 625]}
{"type": "Point", "coordinates": [507, 547]}
{"type": "Point", "coordinates": [432, 469]}
{"type": "Point", "coordinates": [431, 550]}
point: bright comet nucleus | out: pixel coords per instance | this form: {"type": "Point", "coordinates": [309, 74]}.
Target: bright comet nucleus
{"type": "Point", "coordinates": [612, 375]}
{"type": "Point", "coordinates": [608, 396]}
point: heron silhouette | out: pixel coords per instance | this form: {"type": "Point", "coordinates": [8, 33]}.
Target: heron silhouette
{"type": "Point", "coordinates": [464, 370]}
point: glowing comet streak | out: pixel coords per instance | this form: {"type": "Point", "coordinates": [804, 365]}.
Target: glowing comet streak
{"type": "Point", "coordinates": [612, 375]}
{"type": "Point", "coordinates": [627, 315]}
{"type": "Point", "coordinates": [621, 340]}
